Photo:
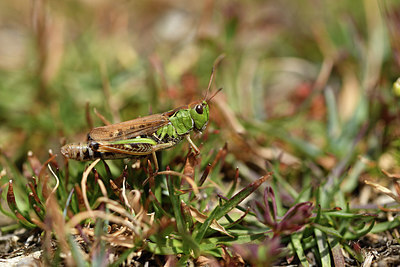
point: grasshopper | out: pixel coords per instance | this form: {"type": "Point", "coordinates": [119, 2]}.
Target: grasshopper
{"type": "Point", "coordinates": [144, 135]}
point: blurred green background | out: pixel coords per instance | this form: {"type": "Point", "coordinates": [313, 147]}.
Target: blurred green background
{"type": "Point", "coordinates": [312, 78]}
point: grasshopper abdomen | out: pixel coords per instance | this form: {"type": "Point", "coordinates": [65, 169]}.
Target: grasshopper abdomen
{"type": "Point", "coordinates": [84, 152]}
{"type": "Point", "coordinates": [131, 148]}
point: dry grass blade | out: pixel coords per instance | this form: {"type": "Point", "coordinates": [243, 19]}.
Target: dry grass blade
{"type": "Point", "coordinates": [79, 196]}
{"type": "Point", "coordinates": [99, 214]}
{"type": "Point", "coordinates": [133, 201]}
{"type": "Point", "coordinates": [83, 183]}
{"type": "Point", "coordinates": [116, 207]}
{"type": "Point", "coordinates": [102, 187]}
{"type": "Point", "coordinates": [35, 163]}
{"type": "Point", "coordinates": [89, 119]}
{"type": "Point", "coordinates": [43, 169]}
{"type": "Point", "coordinates": [123, 193]}
{"type": "Point", "coordinates": [57, 181]}
{"type": "Point", "coordinates": [205, 174]}
{"type": "Point", "coordinates": [388, 210]}
{"type": "Point", "coordinates": [391, 175]}
{"type": "Point", "coordinates": [101, 117]}
{"type": "Point", "coordinates": [10, 197]}
{"type": "Point", "coordinates": [55, 217]}
{"type": "Point", "coordinates": [190, 164]}
{"type": "Point", "coordinates": [121, 241]}
{"type": "Point", "coordinates": [220, 156]}
{"type": "Point", "coordinates": [207, 261]}
{"type": "Point", "coordinates": [39, 223]}
{"type": "Point", "coordinates": [383, 190]}
{"type": "Point", "coordinates": [244, 148]}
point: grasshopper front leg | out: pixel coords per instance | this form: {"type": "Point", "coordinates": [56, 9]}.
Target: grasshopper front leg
{"type": "Point", "coordinates": [195, 148]}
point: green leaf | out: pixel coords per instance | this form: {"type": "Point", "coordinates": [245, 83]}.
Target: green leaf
{"type": "Point", "coordinates": [295, 239]}
{"type": "Point", "coordinates": [323, 247]}
{"type": "Point", "coordinates": [240, 196]}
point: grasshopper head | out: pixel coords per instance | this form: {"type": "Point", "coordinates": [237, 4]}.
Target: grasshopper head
{"type": "Point", "coordinates": [199, 112]}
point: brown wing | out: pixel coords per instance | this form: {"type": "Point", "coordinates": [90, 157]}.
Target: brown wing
{"type": "Point", "coordinates": [129, 129]}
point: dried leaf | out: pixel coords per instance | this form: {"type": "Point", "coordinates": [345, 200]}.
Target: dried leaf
{"type": "Point", "coordinates": [79, 196]}
{"type": "Point", "coordinates": [208, 261]}
{"type": "Point", "coordinates": [172, 261]}
{"type": "Point", "coordinates": [220, 156]}
{"type": "Point", "coordinates": [189, 165]}
{"type": "Point", "coordinates": [55, 216]}
{"type": "Point", "coordinates": [21, 218]}
{"type": "Point", "coordinates": [391, 175]}
{"type": "Point", "coordinates": [234, 260]}
{"type": "Point", "coordinates": [53, 161]}
{"type": "Point", "coordinates": [383, 190]}
{"type": "Point", "coordinates": [35, 163]}
{"type": "Point", "coordinates": [101, 117]}
{"type": "Point", "coordinates": [116, 190]}
{"type": "Point", "coordinates": [200, 217]}
{"type": "Point", "coordinates": [33, 191]}
{"type": "Point", "coordinates": [11, 197]}
{"type": "Point", "coordinates": [123, 176]}
{"type": "Point", "coordinates": [43, 168]}
{"type": "Point", "coordinates": [205, 174]}
{"type": "Point", "coordinates": [133, 198]}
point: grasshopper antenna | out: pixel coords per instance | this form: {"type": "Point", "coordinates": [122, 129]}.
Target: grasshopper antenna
{"type": "Point", "coordinates": [216, 63]}
{"type": "Point", "coordinates": [211, 97]}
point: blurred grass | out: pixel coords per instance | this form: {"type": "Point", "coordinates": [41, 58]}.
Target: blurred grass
{"type": "Point", "coordinates": [84, 53]}
{"type": "Point", "coordinates": [312, 78]}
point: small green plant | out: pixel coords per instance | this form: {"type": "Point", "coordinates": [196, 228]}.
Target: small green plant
{"type": "Point", "coordinates": [163, 214]}
{"type": "Point", "coordinates": [178, 215]}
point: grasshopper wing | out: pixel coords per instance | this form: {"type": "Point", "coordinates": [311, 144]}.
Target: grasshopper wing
{"type": "Point", "coordinates": [129, 129]}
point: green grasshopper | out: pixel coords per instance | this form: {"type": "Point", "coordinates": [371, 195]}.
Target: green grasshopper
{"type": "Point", "coordinates": [145, 135]}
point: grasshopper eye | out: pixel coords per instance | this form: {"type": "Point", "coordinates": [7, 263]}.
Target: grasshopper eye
{"type": "Point", "coordinates": [199, 109]}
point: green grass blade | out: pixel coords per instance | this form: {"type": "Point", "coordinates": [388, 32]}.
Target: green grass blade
{"type": "Point", "coordinates": [298, 248]}
{"type": "Point", "coordinates": [175, 202]}
{"type": "Point", "coordinates": [199, 234]}
{"type": "Point", "coordinates": [240, 196]}
{"type": "Point", "coordinates": [327, 230]}
{"type": "Point", "coordinates": [384, 226]}
{"type": "Point", "coordinates": [332, 112]}
{"type": "Point", "coordinates": [362, 232]}
{"type": "Point", "coordinates": [323, 248]}
{"type": "Point", "coordinates": [76, 253]}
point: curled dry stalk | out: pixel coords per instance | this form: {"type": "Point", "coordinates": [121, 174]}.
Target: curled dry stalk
{"type": "Point", "coordinates": [395, 196]}
{"type": "Point", "coordinates": [83, 183]}
{"type": "Point", "coordinates": [133, 224]}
